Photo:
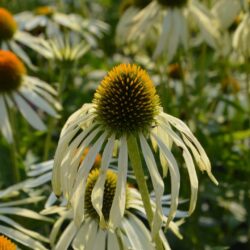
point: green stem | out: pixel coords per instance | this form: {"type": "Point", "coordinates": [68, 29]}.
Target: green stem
{"type": "Point", "coordinates": [14, 171]}
{"type": "Point", "coordinates": [48, 139]}
{"type": "Point", "coordinates": [135, 159]}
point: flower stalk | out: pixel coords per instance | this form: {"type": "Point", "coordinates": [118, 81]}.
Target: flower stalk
{"type": "Point", "coordinates": [134, 156]}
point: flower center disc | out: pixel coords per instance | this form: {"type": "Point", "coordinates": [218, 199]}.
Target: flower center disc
{"type": "Point", "coordinates": [108, 194]}
{"type": "Point", "coordinates": [6, 244]}
{"type": "Point", "coordinates": [8, 25]}
{"type": "Point", "coordinates": [173, 3]}
{"type": "Point", "coordinates": [11, 71]}
{"type": "Point", "coordinates": [126, 100]}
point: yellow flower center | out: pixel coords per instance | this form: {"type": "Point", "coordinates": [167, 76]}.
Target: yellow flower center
{"type": "Point", "coordinates": [8, 25]}
{"type": "Point", "coordinates": [6, 244]}
{"type": "Point", "coordinates": [108, 194]}
{"type": "Point", "coordinates": [126, 100]}
{"type": "Point", "coordinates": [11, 71]}
{"type": "Point", "coordinates": [173, 3]}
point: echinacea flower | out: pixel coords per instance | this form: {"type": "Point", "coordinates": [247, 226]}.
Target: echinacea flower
{"type": "Point", "coordinates": [24, 92]}
{"type": "Point", "coordinates": [94, 232]}
{"type": "Point", "coordinates": [11, 38]}
{"type": "Point", "coordinates": [6, 244]}
{"type": "Point", "coordinates": [226, 11]}
{"type": "Point", "coordinates": [125, 105]}
{"type": "Point", "coordinates": [50, 21]}
{"type": "Point", "coordinates": [175, 16]}
{"type": "Point", "coordinates": [10, 209]}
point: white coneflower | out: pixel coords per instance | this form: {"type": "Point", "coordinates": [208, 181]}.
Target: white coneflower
{"type": "Point", "coordinates": [175, 16]}
{"type": "Point", "coordinates": [95, 233]}
{"type": "Point", "coordinates": [50, 21]}
{"type": "Point", "coordinates": [12, 208]}
{"type": "Point", "coordinates": [12, 38]}
{"type": "Point", "coordinates": [23, 92]}
{"type": "Point", "coordinates": [125, 108]}
{"type": "Point", "coordinates": [226, 11]}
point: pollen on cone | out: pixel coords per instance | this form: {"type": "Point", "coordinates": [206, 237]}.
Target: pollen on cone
{"type": "Point", "coordinates": [126, 100]}
{"type": "Point", "coordinates": [6, 244]}
{"type": "Point", "coordinates": [8, 25]}
{"type": "Point", "coordinates": [11, 71]}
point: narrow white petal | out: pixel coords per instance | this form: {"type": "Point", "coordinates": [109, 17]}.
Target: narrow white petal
{"type": "Point", "coordinates": [118, 205]}
{"type": "Point", "coordinates": [38, 101]}
{"type": "Point", "coordinates": [78, 195]}
{"type": "Point", "coordinates": [201, 158]}
{"type": "Point", "coordinates": [29, 114]}
{"type": "Point", "coordinates": [66, 237]}
{"type": "Point", "coordinates": [113, 243]}
{"type": "Point", "coordinates": [75, 161]}
{"type": "Point", "coordinates": [158, 184]}
{"type": "Point", "coordinates": [100, 241]}
{"type": "Point", "coordinates": [20, 228]}
{"type": "Point", "coordinates": [175, 178]}
{"type": "Point", "coordinates": [165, 35]}
{"type": "Point", "coordinates": [56, 227]}
{"type": "Point", "coordinates": [21, 238]}
{"type": "Point", "coordinates": [132, 235]}
{"type": "Point", "coordinates": [4, 121]}
{"type": "Point", "coordinates": [190, 166]}
{"type": "Point", "coordinates": [97, 193]}
{"type": "Point", "coordinates": [141, 231]}
{"type": "Point", "coordinates": [86, 236]}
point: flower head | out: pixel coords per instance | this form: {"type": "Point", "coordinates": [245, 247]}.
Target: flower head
{"type": "Point", "coordinates": [168, 23]}
{"type": "Point", "coordinates": [12, 71]}
{"type": "Point", "coordinates": [90, 234]}
{"type": "Point", "coordinates": [109, 193]}
{"type": "Point", "coordinates": [6, 244]}
{"type": "Point", "coordinates": [126, 100]}
{"type": "Point", "coordinates": [8, 25]}
{"type": "Point", "coordinates": [24, 92]}
{"type": "Point", "coordinates": [106, 129]}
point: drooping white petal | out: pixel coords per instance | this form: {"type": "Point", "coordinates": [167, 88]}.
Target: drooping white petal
{"type": "Point", "coordinates": [98, 190]}
{"type": "Point", "coordinates": [56, 227]}
{"type": "Point", "coordinates": [66, 237]}
{"type": "Point", "coordinates": [4, 121]}
{"type": "Point", "coordinates": [175, 178]}
{"type": "Point", "coordinates": [37, 101]}
{"type": "Point", "coordinates": [21, 238]}
{"type": "Point", "coordinates": [20, 228]}
{"type": "Point", "coordinates": [165, 35]}
{"type": "Point", "coordinates": [75, 161]}
{"type": "Point", "coordinates": [28, 112]}
{"type": "Point", "coordinates": [197, 150]}
{"type": "Point", "coordinates": [158, 184]}
{"type": "Point", "coordinates": [24, 213]}
{"type": "Point", "coordinates": [190, 166]}
{"type": "Point", "coordinates": [113, 243]}
{"type": "Point", "coordinates": [86, 236]}
{"type": "Point", "coordinates": [100, 241]}
{"type": "Point", "coordinates": [141, 231]}
{"type": "Point", "coordinates": [132, 235]}
{"type": "Point", "coordinates": [78, 195]}
{"type": "Point", "coordinates": [118, 205]}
